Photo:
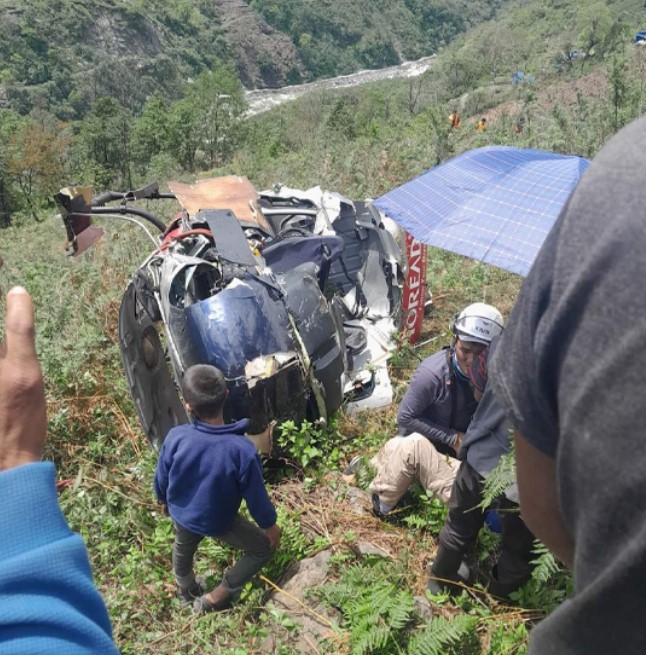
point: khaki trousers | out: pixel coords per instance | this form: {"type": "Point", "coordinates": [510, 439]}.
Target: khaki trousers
{"type": "Point", "coordinates": [405, 460]}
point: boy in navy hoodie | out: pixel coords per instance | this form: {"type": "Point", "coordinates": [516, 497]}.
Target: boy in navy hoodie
{"type": "Point", "coordinates": [205, 469]}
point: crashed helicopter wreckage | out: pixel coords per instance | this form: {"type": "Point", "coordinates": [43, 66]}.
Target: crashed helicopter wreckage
{"type": "Point", "coordinates": [294, 295]}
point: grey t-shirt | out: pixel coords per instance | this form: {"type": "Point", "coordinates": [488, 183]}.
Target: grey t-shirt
{"type": "Point", "coordinates": [570, 370]}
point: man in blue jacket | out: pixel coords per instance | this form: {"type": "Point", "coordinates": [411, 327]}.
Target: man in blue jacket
{"type": "Point", "coordinates": [48, 601]}
{"type": "Point", "coordinates": [205, 469]}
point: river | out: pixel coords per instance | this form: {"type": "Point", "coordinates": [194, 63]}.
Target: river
{"type": "Point", "coordinates": [261, 100]}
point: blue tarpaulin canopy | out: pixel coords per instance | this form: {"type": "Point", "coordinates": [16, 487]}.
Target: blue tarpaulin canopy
{"type": "Point", "coordinates": [494, 204]}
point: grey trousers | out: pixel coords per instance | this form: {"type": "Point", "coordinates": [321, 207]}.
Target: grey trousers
{"type": "Point", "coordinates": [243, 535]}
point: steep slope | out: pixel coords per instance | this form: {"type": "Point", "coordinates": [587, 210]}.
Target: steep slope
{"type": "Point", "coordinates": [263, 54]}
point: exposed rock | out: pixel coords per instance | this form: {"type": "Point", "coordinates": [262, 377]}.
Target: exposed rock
{"type": "Point", "coordinates": [359, 500]}
{"type": "Point", "coordinates": [314, 622]}
{"type": "Point", "coordinates": [367, 549]}
{"type": "Point", "coordinates": [265, 56]}
{"type": "Point", "coordinates": [423, 608]}
{"type": "Point", "coordinates": [308, 573]}
{"type": "Point", "coordinates": [116, 38]}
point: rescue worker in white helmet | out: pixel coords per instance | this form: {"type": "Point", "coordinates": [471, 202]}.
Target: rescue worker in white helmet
{"type": "Point", "coordinates": [434, 415]}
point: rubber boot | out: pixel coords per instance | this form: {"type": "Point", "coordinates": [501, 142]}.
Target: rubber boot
{"type": "Point", "coordinates": [503, 590]}
{"type": "Point", "coordinates": [446, 565]}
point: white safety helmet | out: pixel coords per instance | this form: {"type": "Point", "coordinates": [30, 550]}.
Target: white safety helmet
{"type": "Point", "coordinates": [479, 323]}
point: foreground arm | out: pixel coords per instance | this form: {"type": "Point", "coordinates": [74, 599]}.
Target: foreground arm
{"type": "Point", "coordinates": [539, 505]}
{"type": "Point", "coordinates": [160, 482]}
{"type": "Point", "coordinates": [256, 496]}
{"type": "Point", "coordinates": [260, 506]}
{"type": "Point", "coordinates": [48, 601]}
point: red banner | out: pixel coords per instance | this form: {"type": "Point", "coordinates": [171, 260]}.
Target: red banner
{"type": "Point", "coordinates": [414, 288]}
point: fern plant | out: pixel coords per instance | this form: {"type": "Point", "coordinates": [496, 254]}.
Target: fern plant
{"type": "Point", "coordinates": [443, 636]}
{"type": "Point", "coordinates": [381, 617]}
{"type": "Point", "coordinates": [545, 565]}
{"type": "Point", "coordinates": [375, 614]}
{"type": "Point", "coordinates": [550, 584]}
{"type": "Point", "coordinates": [500, 479]}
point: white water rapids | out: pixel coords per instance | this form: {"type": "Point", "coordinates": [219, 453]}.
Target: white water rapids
{"type": "Point", "coordinates": [260, 100]}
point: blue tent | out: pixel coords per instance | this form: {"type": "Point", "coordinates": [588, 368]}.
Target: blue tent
{"type": "Point", "coordinates": [494, 204]}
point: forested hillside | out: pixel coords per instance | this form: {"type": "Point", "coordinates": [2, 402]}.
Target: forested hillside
{"type": "Point", "coordinates": [334, 36]}
{"type": "Point", "coordinates": [64, 54]}
{"type": "Point", "coordinates": [114, 94]}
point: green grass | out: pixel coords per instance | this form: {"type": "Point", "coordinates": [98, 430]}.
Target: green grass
{"type": "Point", "coordinates": [96, 442]}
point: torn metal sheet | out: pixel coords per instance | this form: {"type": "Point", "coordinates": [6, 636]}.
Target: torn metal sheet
{"type": "Point", "coordinates": [228, 192]}
{"type": "Point", "coordinates": [373, 361]}
{"type": "Point", "coordinates": [329, 204]}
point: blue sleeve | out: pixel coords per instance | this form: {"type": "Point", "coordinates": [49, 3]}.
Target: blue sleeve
{"type": "Point", "coordinates": [420, 395]}
{"type": "Point", "coordinates": [48, 601]}
{"type": "Point", "coordinates": [256, 496]}
{"type": "Point", "coordinates": [161, 474]}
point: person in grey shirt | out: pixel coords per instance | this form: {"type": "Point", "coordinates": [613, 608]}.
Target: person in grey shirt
{"type": "Point", "coordinates": [570, 373]}
{"type": "Point", "coordinates": [487, 439]}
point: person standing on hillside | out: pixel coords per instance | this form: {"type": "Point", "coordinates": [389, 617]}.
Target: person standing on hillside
{"type": "Point", "coordinates": [570, 373]}
{"type": "Point", "coordinates": [481, 125]}
{"type": "Point", "coordinates": [434, 415]}
{"type": "Point", "coordinates": [204, 471]}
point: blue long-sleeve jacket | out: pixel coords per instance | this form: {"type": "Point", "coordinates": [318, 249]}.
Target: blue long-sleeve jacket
{"type": "Point", "coordinates": [48, 601]}
{"type": "Point", "coordinates": [203, 473]}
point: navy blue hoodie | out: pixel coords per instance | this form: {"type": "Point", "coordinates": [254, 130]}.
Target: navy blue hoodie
{"type": "Point", "coordinates": [203, 473]}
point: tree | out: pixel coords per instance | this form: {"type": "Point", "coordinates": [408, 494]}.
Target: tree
{"type": "Point", "coordinates": [442, 130]}
{"type": "Point", "coordinates": [618, 90]}
{"type": "Point", "coordinates": [341, 118]}
{"type": "Point", "coordinates": [105, 140]}
{"type": "Point", "coordinates": [414, 89]}
{"type": "Point", "coordinates": [594, 22]}
{"type": "Point", "coordinates": [219, 98]}
{"type": "Point", "coordinates": [35, 161]}
{"type": "Point", "coordinates": [151, 131]}
{"type": "Point", "coordinates": [9, 122]}
{"type": "Point", "coordinates": [184, 130]}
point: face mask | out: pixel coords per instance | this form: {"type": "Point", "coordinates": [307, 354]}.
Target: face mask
{"type": "Point", "coordinates": [458, 370]}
